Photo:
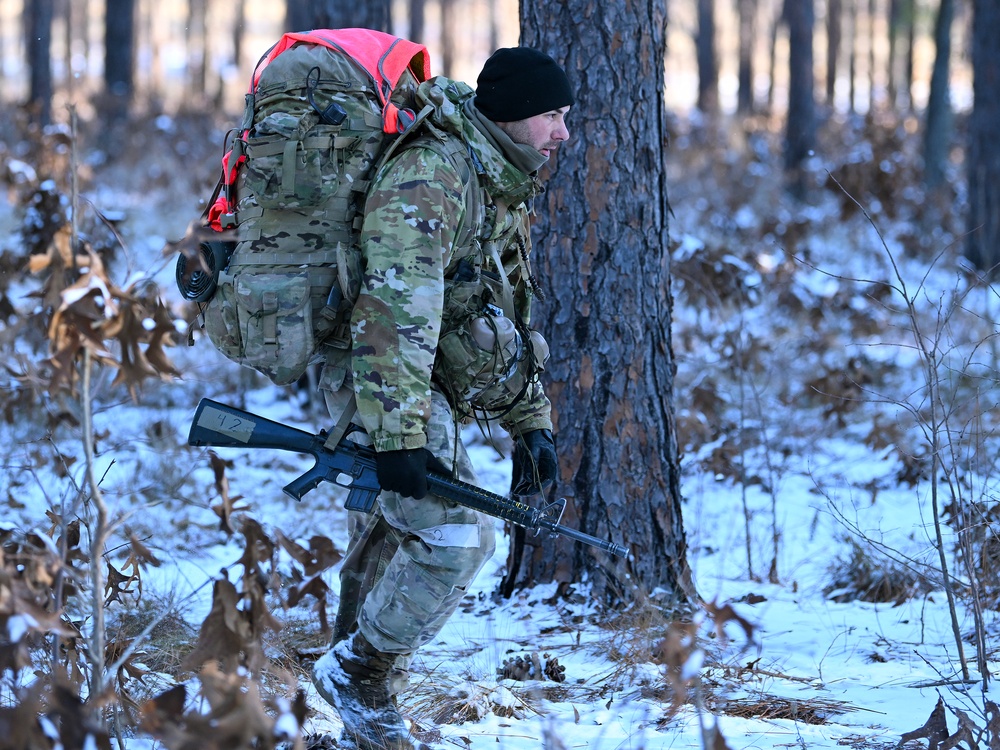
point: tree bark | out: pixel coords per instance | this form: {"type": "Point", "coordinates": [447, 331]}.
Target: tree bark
{"type": "Point", "coordinates": [983, 240]}
{"type": "Point", "coordinates": [938, 124]}
{"type": "Point", "coordinates": [601, 254]}
{"type": "Point", "coordinates": [800, 127]}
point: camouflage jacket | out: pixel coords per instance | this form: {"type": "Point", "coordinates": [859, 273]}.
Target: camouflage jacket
{"type": "Point", "coordinates": [446, 195]}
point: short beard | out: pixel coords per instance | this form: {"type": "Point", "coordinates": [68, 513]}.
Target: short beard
{"type": "Point", "coordinates": [518, 131]}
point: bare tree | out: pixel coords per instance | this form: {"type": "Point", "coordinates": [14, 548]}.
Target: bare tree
{"type": "Point", "coordinates": [603, 262]}
{"type": "Point", "coordinates": [983, 240]}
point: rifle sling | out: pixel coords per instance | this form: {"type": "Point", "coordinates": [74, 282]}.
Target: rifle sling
{"type": "Point", "coordinates": [334, 436]}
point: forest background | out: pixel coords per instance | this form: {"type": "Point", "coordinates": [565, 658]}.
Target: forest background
{"type": "Point", "coordinates": [773, 203]}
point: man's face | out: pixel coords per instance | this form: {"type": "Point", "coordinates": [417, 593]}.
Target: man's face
{"type": "Point", "coordinates": [544, 132]}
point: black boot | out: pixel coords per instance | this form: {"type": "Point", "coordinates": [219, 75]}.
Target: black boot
{"type": "Point", "coordinates": [353, 677]}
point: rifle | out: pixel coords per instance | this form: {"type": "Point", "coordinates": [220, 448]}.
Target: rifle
{"type": "Point", "coordinates": [352, 465]}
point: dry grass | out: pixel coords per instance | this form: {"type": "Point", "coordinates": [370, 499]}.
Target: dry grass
{"type": "Point", "coordinates": [864, 576]}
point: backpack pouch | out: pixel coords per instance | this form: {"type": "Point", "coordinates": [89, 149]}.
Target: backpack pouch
{"type": "Point", "coordinates": [264, 321]}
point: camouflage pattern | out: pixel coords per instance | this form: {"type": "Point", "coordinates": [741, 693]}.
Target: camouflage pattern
{"type": "Point", "coordinates": [298, 196]}
{"type": "Point", "coordinates": [438, 549]}
{"type": "Point", "coordinates": [418, 230]}
{"type": "Point", "coordinates": [427, 221]}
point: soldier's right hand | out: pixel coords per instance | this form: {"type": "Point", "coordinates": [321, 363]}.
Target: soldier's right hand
{"type": "Point", "coordinates": [405, 471]}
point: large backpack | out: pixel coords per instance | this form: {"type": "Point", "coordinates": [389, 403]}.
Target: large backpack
{"type": "Point", "coordinates": [322, 108]}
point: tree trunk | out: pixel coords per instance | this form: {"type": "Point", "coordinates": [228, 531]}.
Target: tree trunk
{"type": "Point", "coordinates": [601, 254]}
{"type": "Point", "coordinates": [800, 127]}
{"type": "Point", "coordinates": [872, 21]}
{"type": "Point", "coordinates": [708, 68]}
{"type": "Point", "coordinates": [195, 33]}
{"type": "Point", "coordinates": [416, 11]}
{"type": "Point", "coordinates": [239, 28]}
{"type": "Point", "coordinates": [895, 20]}
{"type": "Point", "coordinates": [303, 15]}
{"type": "Point", "coordinates": [776, 22]}
{"type": "Point", "coordinates": [747, 11]}
{"type": "Point", "coordinates": [449, 36]}
{"type": "Point", "coordinates": [834, 23]}
{"type": "Point", "coordinates": [38, 31]}
{"type": "Point", "coordinates": [911, 38]}
{"type": "Point", "coordinates": [983, 240]}
{"type": "Point", "coordinates": [938, 126]}
{"type": "Point", "coordinates": [494, 25]}
{"type": "Point", "coordinates": [119, 57]}
{"type": "Point", "coordinates": [852, 67]}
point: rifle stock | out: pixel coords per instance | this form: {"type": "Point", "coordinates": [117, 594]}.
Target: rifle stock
{"type": "Point", "coordinates": [352, 465]}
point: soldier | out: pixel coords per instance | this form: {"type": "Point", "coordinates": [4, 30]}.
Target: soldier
{"type": "Point", "coordinates": [440, 336]}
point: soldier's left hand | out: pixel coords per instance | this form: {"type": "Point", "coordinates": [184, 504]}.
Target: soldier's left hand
{"type": "Point", "coordinates": [534, 464]}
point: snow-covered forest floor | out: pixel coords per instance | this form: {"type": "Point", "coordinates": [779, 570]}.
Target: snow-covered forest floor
{"type": "Point", "coordinates": [832, 458]}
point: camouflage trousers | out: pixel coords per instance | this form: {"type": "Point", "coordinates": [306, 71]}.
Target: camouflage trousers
{"type": "Point", "coordinates": [409, 564]}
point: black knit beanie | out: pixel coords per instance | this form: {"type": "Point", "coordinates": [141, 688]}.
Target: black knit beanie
{"type": "Point", "coordinates": [519, 82]}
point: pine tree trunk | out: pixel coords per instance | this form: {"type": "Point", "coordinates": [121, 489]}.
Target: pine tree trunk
{"type": "Point", "coordinates": [601, 254]}
{"type": "Point", "coordinates": [983, 159]}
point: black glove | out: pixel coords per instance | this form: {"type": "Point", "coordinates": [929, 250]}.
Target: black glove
{"type": "Point", "coordinates": [405, 471]}
{"type": "Point", "coordinates": [535, 463]}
